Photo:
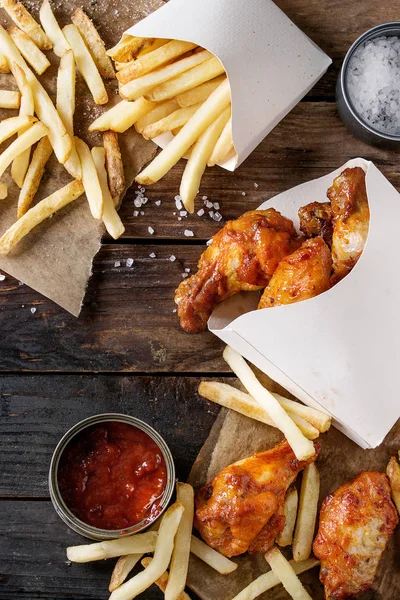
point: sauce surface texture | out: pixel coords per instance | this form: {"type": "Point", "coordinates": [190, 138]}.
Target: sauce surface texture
{"type": "Point", "coordinates": [112, 476]}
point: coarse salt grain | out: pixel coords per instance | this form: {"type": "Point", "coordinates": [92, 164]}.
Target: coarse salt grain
{"type": "Point", "coordinates": [217, 216]}
{"type": "Point", "coordinates": [135, 213]}
{"type": "Point", "coordinates": [137, 202]}
{"type": "Point", "coordinates": [200, 212]}
{"type": "Point", "coordinates": [184, 275]}
{"type": "Point", "coordinates": [2, 277]}
{"type": "Point", "coordinates": [187, 270]}
{"type": "Point", "coordinates": [243, 193]}
{"type": "Point", "coordinates": [142, 212]}
{"type": "Point", "coordinates": [150, 230]}
{"type": "Point", "coordinates": [178, 202]}
{"type": "Point", "coordinates": [211, 214]}
{"type": "Point", "coordinates": [208, 242]}
{"type": "Point", "coordinates": [179, 218]}
{"type": "Point", "coordinates": [33, 310]}
{"type": "Point", "coordinates": [152, 255]}
{"type": "Point", "coordinates": [208, 204]}
{"type": "Point", "coordinates": [216, 205]}
{"type": "Point", "coordinates": [188, 233]}
{"type": "Point", "coordinates": [117, 263]}
{"type": "Point", "coordinates": [157, 202]}
{"type": "Point", "coordinates": [183, 213]}
{"type": "Point", "coordinates": [255, 185]}
{"type": "Point", "coordinates": [172, 258]}
{"type": "Point", "coordinates": [204, 198]}
{"type": "Point", "coordinates": [129, 262]}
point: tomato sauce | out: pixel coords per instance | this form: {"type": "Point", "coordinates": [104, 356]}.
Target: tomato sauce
{"type": "Point", "coordinates": [112, 476]}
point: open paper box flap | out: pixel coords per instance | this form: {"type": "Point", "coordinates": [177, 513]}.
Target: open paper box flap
{"type": "Point", "coordinates": [341, 350]}
{"type": "Point", "coordinates": [271, 63]}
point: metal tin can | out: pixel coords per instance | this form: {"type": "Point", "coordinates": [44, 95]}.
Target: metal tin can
{"type": "Point", "coordinates": [61, 508]}
{"type": "Point", "coordinates": [346, 110]}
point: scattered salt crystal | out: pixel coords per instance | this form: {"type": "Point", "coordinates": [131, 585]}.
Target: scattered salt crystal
{"type": "Point", "coordinates": [211, 213]}
{"type": "Point", "coordinates": [129, 262]}
{"type": "Point", "coordinates": [208, 242]}
{"type": "Point", "coordinates": [255, 185]}
{"type": "Point", "coordinates": [216, 205]}
{"type": "Point", "coordinates": [33, 310]}
{"type": "Point", "coordinates": [135, 213]}
{"type": "Point", "coordinates": [183, 213]}
{"type": "Point", "coordinates": [188, 233]}
{"type": "Point", "coordinates": [152, 255]}
{"type": "Point", "coordinates": [208, 204]}
{"type": "Point", "coordinates": [200, 212]}
{"type": "Point", "coordinates": [150, 230]}
{"type": "Point", "coordinates": [184, 275]}
{"type": "Point", "coordinates": [2, 277]}
{"type": "Point", "coordinates": [142, 212]}
{"type": "Point", "coordinates": [137, 202]}
{"type": "Point", "coordinates": [142, 188]}
{"type": "Point", "coordinates": [157, 202]}
{"type": "Point", "coordinates": [178, 202]}
{"type": "Point", "coordinates": [174, 310]}
{"type": "Point", "coordinates": [179, 218]}
{"type": "Point", "coordinates": [172, 258]}
{"type": "Point", "coordinates": [144, 201]}
{"type": "Point", "coordinates": [187, 270]}
{"type": "Point", "coordinates": [204, 198]}
{"type": "Point", "coordinates": [217, 216]}
{"type": "Point", "coordinates": [243, 193]}
{"type": "Point", "coordinates": [174, 214]}
{"type": "Point", "coordinates": [117, 263]}
{"type": "Point", "coordinates": [19, 282]}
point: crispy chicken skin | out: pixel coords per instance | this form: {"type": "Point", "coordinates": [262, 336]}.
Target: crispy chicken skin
{"type": "Point", "coordinates": [243, 506]}
{"type": "Point", "coordinates": [316, 220]}
{"type": "Point", "coordinates": [242, 256]}
{"type": "Point", "coordinates": [355, 524]}
{"type": "Point", "coordinates": [348, 196]}
{"type": "Point", "coordinates": [299, 276]}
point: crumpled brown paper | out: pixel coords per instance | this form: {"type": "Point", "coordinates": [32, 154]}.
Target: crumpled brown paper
{"type": "Point", "coordinates": [56, 257]}
{"type": "Point", "coordinates": [234, 437]}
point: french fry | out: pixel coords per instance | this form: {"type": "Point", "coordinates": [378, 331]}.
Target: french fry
{"type": "Point", "coordinates": [44, 107]}
{"type": "Point", "coordinates": [123, 567]}
{"type": "Point", "coordinates": [211, 557]}
{"type": "Point", "coordinates": [393, 473]}
{"type": "Point", "coordinates": [122, 116]}
{"type": "Point", "coordinates": [153, 45]}
{"type": "Point", "coordinates": [4, 68]}
{"type": "Point", "coordinates": [301, 446]}
{"type": "Point", "coordinates": [206, 114]}
{"type": "Point", "coordinates": [34, 175]}
{"type": "Point", "coordinates": [315, 417]}
{"type": "Point", "coordinates": [199, 93]}
{"type": "Point", "coordinates": [9, 99]}
{"type": "Point", "coordinates": [197, 162]}
{"type": "Point", "coordinates": [86, 65]}
{"type": "Point", "coordinates": [29, 50]}
{"type": "Point", "coordinates": [94, 43]}
{"type": "Point", "coordinates": [285, 537]}
{"type": "Point", "coordinates": [157, 58]}
{"type": "Point", "coordinates": [53, 30]}
{"type": "Point", "coordinates": [269, 580]}
{"type": "Point", "coordinates": [127, 48]}
{"type": "Point", "coordinates": [160, 111]}
{"type": "Point", "coordinates": [307, 514]}
{"type": "Point", "coordinates": [285, 572]}
{"type": "Point", "coordinates": [26, 140]}
{"type": "Point", "coordinates": [111, 218]}
{"type": "Point", "coordinates": [180, 557]}
{"type": "Point", "coordinates": [38, 213]}
{"type": "Point", "coordinates": [139, 543]}
{"type": "Point", "coordinates": [3, 191]}
{"type": "Point", "coordinates": [223, 146]}
{"type": "Point", "coordinates": [186, 81]}
{"type": "Point", "coordinates": [172, 121]}
{"type": "Point", "coordinates": [162, 582]}
{"type": "Point", "coordinates": [20, 165]}
{"type": "Point", "coordinates": [66, 78]}
{"type": "Point", "coordinates": [11, 126]}
{"type": "Point", "coordinates": [90, 179]}
{"type": "Point", "coordinates": [27, 23]}
{"type": "Point", "coordinates": [115, 166]}
{"type": "Point", "coordinates": [162, 556]}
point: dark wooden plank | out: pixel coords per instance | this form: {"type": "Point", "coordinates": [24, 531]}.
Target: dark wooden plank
{"type": "Point", "coordinates": [38, 409]}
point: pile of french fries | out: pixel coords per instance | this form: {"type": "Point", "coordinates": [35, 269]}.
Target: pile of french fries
{"type": "Point", "coordinates": [98, 172]}
{"type": "Point", "coordinates": [178, 87]}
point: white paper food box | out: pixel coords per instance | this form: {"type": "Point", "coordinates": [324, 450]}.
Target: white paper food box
{"type": "Point", "coordinates": [271, 64]}
{"type": "Point", "coordinates": [340, 351]}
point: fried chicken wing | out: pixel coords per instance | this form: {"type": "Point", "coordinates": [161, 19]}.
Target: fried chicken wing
{"type": "Point", "coordinates": [348, 196]}
{"type": "Point", "coordinates": [316, 220]}
{"type": "Point", "coordinates": [242, 256]}
{"type": "Point", "coordinates": [243, 506]}
{"type": "Point", "coordinates": [299, 276]}
{"type": "Point", "coordinates": [356, 522]}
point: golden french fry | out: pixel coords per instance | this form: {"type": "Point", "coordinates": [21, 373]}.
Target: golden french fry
{"type": "Point", "coordinates": [162, 582]}
{"type": "Point", "coordinates": [155, 59]}
{"type": "Point", "coordinates": [66, 78]}
{"type": "Point", "coordinates": [162, 556]}
{"type": "Point", "coordinates": [20, 165]}
{"type": "Point", "coordinates": [186, 81]}
{"type": "Point", "coordinates": [123, 567]}
{"type": "Point", "coordinates": [285, 572]}
{"type": "Point", "coordinates": [34, 175]}
{"type": "Point", "coordinates": [317, 418]}
{"type": "Point", "coordinates": [29, 50]}
{"type": "Point", "coordinates": [4, 68]}
{"type": "Point", "coordinates": [44, 107]}
{"type": "Point", "coordinates": [156, 114]}
{"type": "Point", "coordinates": [26, 140]}
{"type": "Point", "coordinates": [122, 116]}
{"type": "Point", "coordinates": [153, 45]}
{"type": "Point", "coordinates": [172, 121]}
{"type": "Point", "coordinates": [197, 162]}
{"type": "Point", "coordinates": [139, 543]}
{"type": "Point", "coordinates": [38, 213]}
{"type": "Point", "coordinates": [204, 116]}
{"type": "Point", "coordinates": [111, 218]}
{"type": "Point", "coordinates": [27, 23]}
{"type": "Point", "coordinates": [269, 580]}
{"type": "Point", "coordinates": [223, 146]}
{"type": "Point", "coordinates": [115, 165]}
{"type": "Point", "coordinates": [90, 179]}
{"type": "Point", "coordinates": [199, 93]}
{"type": "Point", "coordinates": [93, 42]}
{"type": "Point", "coordinates": [180, 557]}
{"type": "Point", "coordinates": [393, 473]}
{"type": "Point", "coordinates": [9, 99]}
{"type": "Point", "coordinates": [3, 191]}
{"type": "Point", "coordinates": [307, 514]}
{"type": "Point", "coordinates": [285, 537]}
{"type": "Point", "coordinates": [52, 29]}
{"type": "Point", "coordinates": [11, 126]}
{"type": "Point", "coordinates": [211, 557]}
{"type": "Point", "coordinates": [86, 65]}
{"type": "Point", "coordinates": [127, 48]}
{"type": "Point", "coordinates": [301, 446]}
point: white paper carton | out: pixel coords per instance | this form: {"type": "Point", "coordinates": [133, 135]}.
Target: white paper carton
{"type": "Point", "coordinates": [271, 64]}
{"type": "Point", "coordinates": [340, 351]}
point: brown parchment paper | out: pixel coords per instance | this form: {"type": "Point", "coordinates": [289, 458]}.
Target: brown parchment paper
{"type": "Point", "coordinates": [56, 257]}
{"type": "Point", "coordinates": [234, 437]}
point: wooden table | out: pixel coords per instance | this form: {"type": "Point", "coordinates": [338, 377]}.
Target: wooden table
{"type": "Point", "coordinates": [126, 352]}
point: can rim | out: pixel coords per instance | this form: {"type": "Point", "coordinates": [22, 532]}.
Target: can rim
{"type": "Point", "coordinates": [370, 34]}
{"type": "Point", "coordinates": [66, 514]}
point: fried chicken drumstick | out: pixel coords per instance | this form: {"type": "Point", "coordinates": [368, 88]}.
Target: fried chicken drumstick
{"type": "Point", "coordinates": [242, 256]}
{"type": "Point", "coordinates": [355, 524]}
{"type": "Point", "coordinates": [242, 509]}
